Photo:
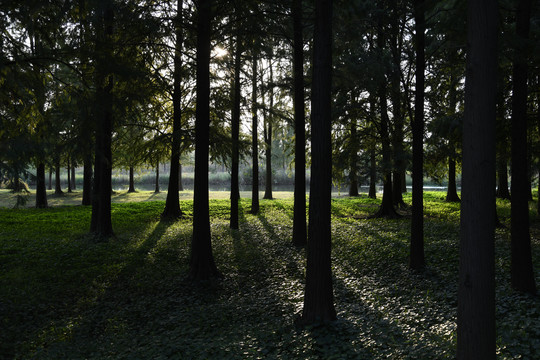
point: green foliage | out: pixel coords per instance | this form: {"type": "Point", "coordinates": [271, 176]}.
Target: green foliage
{"type": "Point", "coordinates": [64, 296]}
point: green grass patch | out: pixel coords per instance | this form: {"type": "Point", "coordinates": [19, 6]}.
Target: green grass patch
{"type": "Point", "coordinates": [64, 296]}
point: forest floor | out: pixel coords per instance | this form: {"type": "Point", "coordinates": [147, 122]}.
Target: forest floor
{"type": "Point", "coordinates": [64, 296]}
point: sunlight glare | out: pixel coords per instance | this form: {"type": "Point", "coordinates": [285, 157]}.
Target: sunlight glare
{"type": "Point", "coordinates": [219, 52]}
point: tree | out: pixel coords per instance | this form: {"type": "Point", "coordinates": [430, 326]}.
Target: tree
{"type": "Point", "coordinates": [202, 265]}
{"type": "Point", "coordinates": [299, 237]}
{"type": "Point", "coordinates": [172, 203]}
{"type": "Point", "coordinates": [416, 260]}
{"type": "Point", "coordinates": [476, 293]}
{"type": "Point", "coordinates": [255, 139]}
{"type": "Point", "coordinates": [522, 272]}
{"type": "Point", "coordinates": [319, 297]}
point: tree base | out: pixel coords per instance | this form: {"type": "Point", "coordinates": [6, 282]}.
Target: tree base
{"type": "Point", "coordinates": [387, 213]}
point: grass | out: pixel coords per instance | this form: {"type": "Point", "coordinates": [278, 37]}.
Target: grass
{"type": "Point", "coordinates": [64, 296]}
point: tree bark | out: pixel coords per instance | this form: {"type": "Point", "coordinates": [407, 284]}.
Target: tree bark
{"type": "Point", "coordinates": [73, 178]}
{"type": "Point", "coordinates": [451, 193]}
{"type": "Point", "coordinates": [235, 129]}
{"type": "Point", "coordinates": [202, 265]}
{"type": "Point", "coordinates": [69, 177]}
{"type": "Point", "coordinates": [372, 174]}
{"type": "Point", "coordinates": [101, 224]}
{"type": "Point", "coordinates": [50, 178]}
{"type": "Point", "coordinates": [156, 190]}
{"type": "Point", "coordinates": [319, 298]}
{"type": "Point", "coordinates": [131, 188]}
{"type": "Point", "coordinates": [41, 192]}
{"type": "Point", "coordinates": [268, 155]}
{"type": "Point", "coordinates": [522, 272]}
{"type": "Point", "coordinates": [254, 140]}
{"type": "Point", "coordinates": [476, 293]}
{"type": "Point", "coordinates": [57, 184]}
{"type": "Point", "coordinates": [416, 260]}
{"type": "Point", "coordinates": [87, 180]}
{"type": "Point", "coordinates": [172, 202]}
{"type": "Point", "coordinates": [353, 175]}
{"type": "Point", "coordinates": [299, 236]}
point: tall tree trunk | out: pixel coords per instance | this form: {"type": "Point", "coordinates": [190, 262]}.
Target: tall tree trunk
{"type": "Point", "coordinates": [235, 128]}
{"type": "Point", "coordinates": [87, 180]}
{"type": "Point", "coordinates": [254, 140]}
{"type": "Point", "coordinates": [57, 183]}
{"type": "Point", "coordinates": [41, 193]}
{"type": "Point", "coordinates": [416, 260]}
{"type": "Point", "coordinates": [395, 96]}
{"type": "Point", "coordinates": [353, 175]}
{"type": "Point", "coordinates": [299, 236]}
{"type": "Point", "coordinates": [268, 154]}
{"type": "Point", "coordinates": [69, 176]}
{"type": "Point", "coordinates": [73, 180]}
{"type": "Point", "coordinates": [372, 174]}
{"type": "Point", "coordinates": [202, 265]}
{"type": "Point", "coordinates": [319, 297]}
{"type": "Point", "coordinates": [172, 203]}
{"type": "Point", "coordinates": [180, 185]}
{"type": "Point", "coordinates": [131, 180]}
{"type": "Point", "coordinates": [476, 293]}
{"type": "Point", "coordinates": [387, 205]}
{"type": "Point", "coordinates": [50, 178]}
{"type": "Point", "coordinates": [101, 224]}
{"type": "Point", "coordinates": [156, 190]}
{"type": "Point", "coordinates": [451, 193]}
{"type": "Point", "coordinates": [522, 273]}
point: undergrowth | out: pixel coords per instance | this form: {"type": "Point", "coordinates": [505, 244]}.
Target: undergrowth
{"type": "Point", "coordinates": [64, 296]}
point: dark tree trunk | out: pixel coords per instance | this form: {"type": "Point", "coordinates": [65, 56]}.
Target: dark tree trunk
{"type": "Point", "coordinates": [387, 205]}
{"type": "Point", "coordinates": [131, 180]}
{"type": "Point", "coordinates": [69, 177]}
{"type": "Point", "coordinates": [235, 129]}
{"type": "Point", "coordinates": [372, 174]}
{"type": "Point", "coordinates": [172, 203]}
{"type": "Point", "coordinates": [522, 272]}
{"type": "Point", "coordinates": [57, 184]}
{"type": "Point", "coordinates": [101, 224]}
{"type": "Point", "coordinates": [299, 236]}
{"type": "Point", "coordinates": [502, 175]}
{"type": "Point", "coordinates": [87, 180]}
{"type": "Point", "coordinates": [476, 293]}
{"type": "Point", "coordinates": [319, 297]}
{"type": "Point", "coordinates": [268, 157]}
{"type": "Point", "coordinates": [254, 141]}
{"type": "Point", "coordinates": [451, 193]}
{"type": "Point", "coordinates": [73, 179]}
{"type": "Point", "coordinates": [202, 265]}
{"type": "Point", "coordinates": [156, 190]}
{"type": "Point", "coordinates": [50, 178]}
{"type": "Point", "coordinates": [395, 96]}
{"type": "Point", "coordinates": [180, 185]}
{"type": "Point", "coordinates": [353, 175]}
{"type": "Point", "coordinates": [41, 192]}
{"type": "Point", "coordinates": [416, 260]}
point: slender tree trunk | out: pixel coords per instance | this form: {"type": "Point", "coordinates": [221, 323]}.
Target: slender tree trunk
{"type": "Point", "coordinates": [172, 203]}
{"type": "Point", "coordinates": [268, 155]}
{"type": "Point", "coordinates": [87, 180]}
{"type": "Point", "coordinates": [372, 175]}
{"type": "Point", "coordinates": [50, 178]}
{"type": "Point", "coordinates": [353, 175]}
{"type": "Point", "coordinates": [180, 185]}
{"type": "Point", "coordinates": [41, 193]}
{"type": "Point", "coordinates": [235, 128]}
{"type": "Point", "coordinates": [73, 179]}
{"type": "Point", "coordinates": [202, 265]}
{"type": "Point", "coordinates": [522, 272]}
{"type": "Point", "coordinates": [299, 236]}
{"type": "Point", "coordinates": [451, 193]}
{"type": "Point", "coordinates": [387, 205]}
{"type": "Point", "coordinates": [416, 260]}
{"type": "Point", "coordinates": [254, 140]}
{"type": "Point", "coordinates": [476, 293]}
{"type": "Point", "coordinates": [156, 190]}
{"type": "Point", "coordinates": [69, 177]}
{"type": "Point", "coordinates": [131, 180]}
{"type": "Point", "coordinates": [57, 183]}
